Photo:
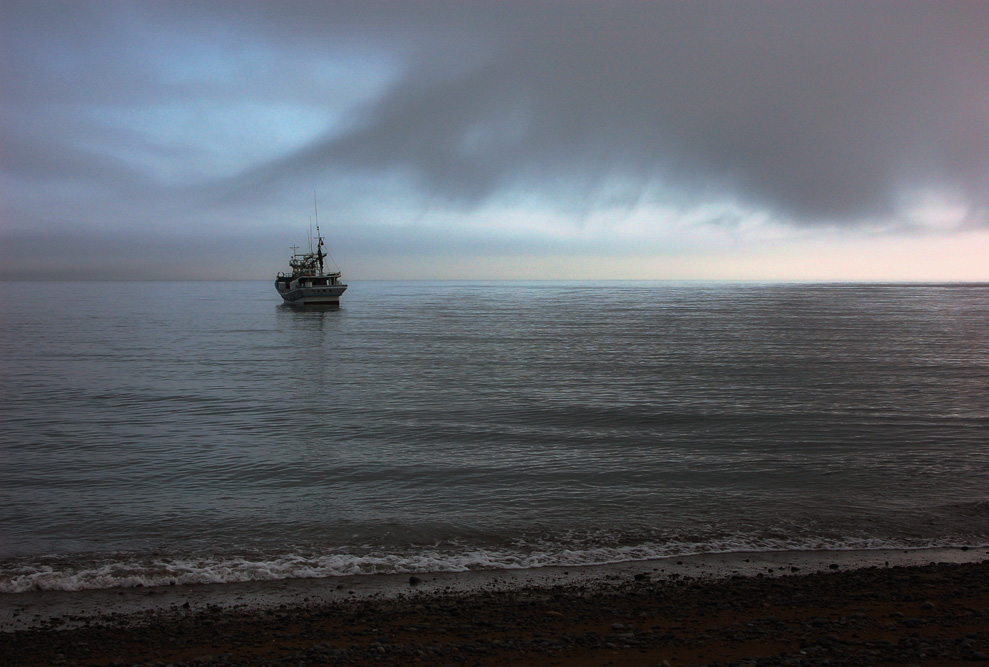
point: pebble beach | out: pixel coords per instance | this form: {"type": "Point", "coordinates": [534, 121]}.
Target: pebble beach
{"type": "Point", "coordinates": [784, 609]}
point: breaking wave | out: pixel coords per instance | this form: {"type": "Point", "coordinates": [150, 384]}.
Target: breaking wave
{"type": "Point", "coordinates": [133, 570]}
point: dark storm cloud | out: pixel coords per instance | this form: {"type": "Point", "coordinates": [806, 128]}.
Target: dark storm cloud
{"type": "Point", "coordinates": [818, 111]}
{"type": "Point", "coordinates": [811, 111]}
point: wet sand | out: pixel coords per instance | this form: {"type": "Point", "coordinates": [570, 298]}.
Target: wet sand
{"type": "Point", "coordinates": [840, 608]}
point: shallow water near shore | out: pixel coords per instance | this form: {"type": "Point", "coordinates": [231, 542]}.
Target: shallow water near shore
{"type": "Point", "coordinates": [166, 436]}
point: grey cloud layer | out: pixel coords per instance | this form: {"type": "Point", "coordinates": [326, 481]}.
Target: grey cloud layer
{"type": "Point", "coordinates": [818, 111]}
{"type": "Point", "coordinates": [815, 111]}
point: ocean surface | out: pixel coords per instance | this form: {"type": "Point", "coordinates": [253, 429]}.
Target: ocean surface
{"type": "Point", "coordinates": [178, 433]}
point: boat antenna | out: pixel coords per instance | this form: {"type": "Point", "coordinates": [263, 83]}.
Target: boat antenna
{"type": "Point", "coordinates": [319, 237]}
{"type": "Point", "coordinates": [316, 212]}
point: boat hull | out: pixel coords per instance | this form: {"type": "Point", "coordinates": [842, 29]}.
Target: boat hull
{"type": "Point", "coordinates": [327, 295]}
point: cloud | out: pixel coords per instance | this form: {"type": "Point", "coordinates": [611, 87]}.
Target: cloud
{"type": "Point", "coordinates": [820, 112]}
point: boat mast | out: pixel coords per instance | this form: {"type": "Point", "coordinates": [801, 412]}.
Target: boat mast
{"type": "Point", "coordinates": [319, 237]}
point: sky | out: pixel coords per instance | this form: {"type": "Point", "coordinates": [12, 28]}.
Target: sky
{"type": "Point", "coordinates": [792, 140]}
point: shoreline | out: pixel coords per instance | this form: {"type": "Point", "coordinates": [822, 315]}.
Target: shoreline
{"type": "Point", "coordinates": [805, 608]}
{"type": "Point", "coordinates": [67, 609]}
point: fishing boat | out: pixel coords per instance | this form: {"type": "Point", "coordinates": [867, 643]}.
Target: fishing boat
{"type": "Point", "coordinates": [308, 284]}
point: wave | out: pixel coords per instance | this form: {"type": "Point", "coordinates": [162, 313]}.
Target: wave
{"type": "Point", "coordinates": [68, 573]}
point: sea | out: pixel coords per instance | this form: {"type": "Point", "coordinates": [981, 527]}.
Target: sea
{"type": "Point", "coordinates": [177, 433]}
